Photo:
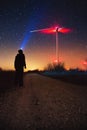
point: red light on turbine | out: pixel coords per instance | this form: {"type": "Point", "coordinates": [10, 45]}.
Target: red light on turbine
{"type": "Point", "coordinates": [48, 31]}
{"type": "Point", "coordinates": [54, 29]}
{"type": "Point", "coordinates": [64, 30]}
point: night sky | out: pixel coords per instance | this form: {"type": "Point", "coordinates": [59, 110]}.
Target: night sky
{"type": "Point", "coordinates": [19, 17]}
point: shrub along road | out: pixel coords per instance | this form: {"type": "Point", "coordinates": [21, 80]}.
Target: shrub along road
{"type": "Point", "coordinates": [44, 103]}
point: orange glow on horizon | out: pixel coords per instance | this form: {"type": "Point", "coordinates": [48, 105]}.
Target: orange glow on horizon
{"type": "Point", "coordinates": [38, 57]}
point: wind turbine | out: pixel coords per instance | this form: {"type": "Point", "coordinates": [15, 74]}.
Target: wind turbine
{"type": "Point", "coordinates": [55, 30]}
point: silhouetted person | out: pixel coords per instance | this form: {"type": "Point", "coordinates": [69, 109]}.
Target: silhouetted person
{"type": "Point", "coordinates": [19, 65]}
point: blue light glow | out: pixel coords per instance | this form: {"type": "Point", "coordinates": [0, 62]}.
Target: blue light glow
{"type": "Point", "coordinates": [25, 41]}
{"type": "Point", "coordinates": [34, 20]}
{"type": "Point", "coordinates": [27, 35]}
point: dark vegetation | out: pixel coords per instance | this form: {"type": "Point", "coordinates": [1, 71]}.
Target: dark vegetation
{"type": "Point", "coordinates": [73, 76]}
{"type": "Point", "coordinates": [55, 67]}
{"type": "Point", "coordinates": [6, 80]}
{"type": "Point", "coordinates": [58, 71]}
{"type": "Point", "coordinates": [73, 79]}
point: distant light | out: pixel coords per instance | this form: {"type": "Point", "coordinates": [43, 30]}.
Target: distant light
{"type": "Point", "coordinates": [55, 61]}
{"type": "Point", "coordinates": [85, 63]}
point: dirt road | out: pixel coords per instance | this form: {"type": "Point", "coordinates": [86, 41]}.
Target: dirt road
{"type": "Point", "coordinates": [43, 104]}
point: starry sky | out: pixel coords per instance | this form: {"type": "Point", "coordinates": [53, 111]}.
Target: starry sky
{"type": "Point", "coordinates": [19, 17]}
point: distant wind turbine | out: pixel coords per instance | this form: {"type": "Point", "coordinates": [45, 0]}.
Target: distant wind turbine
{"type": "Point", "coordinates": [55, 30]}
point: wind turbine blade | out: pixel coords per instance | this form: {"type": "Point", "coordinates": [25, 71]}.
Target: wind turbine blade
{"type": "Point", "coordinates": [40, 30]}
{"type": "Point", "coordinates": [65, 30]}
{"type": "Point", "coordinates": [53, 30]}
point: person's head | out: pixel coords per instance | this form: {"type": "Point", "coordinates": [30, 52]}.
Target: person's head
{"type": "Point", "coordinates": [20, 51]}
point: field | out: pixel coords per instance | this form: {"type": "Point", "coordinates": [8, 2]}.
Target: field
{"type": "Point", "coordinates": [73, 79]}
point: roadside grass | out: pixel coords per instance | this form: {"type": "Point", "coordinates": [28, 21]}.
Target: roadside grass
{"type": "Point", "coordinates": [6, 80]}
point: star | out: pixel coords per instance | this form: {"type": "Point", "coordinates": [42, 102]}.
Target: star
{"type": "Point", "coordinates": [20, 14]}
